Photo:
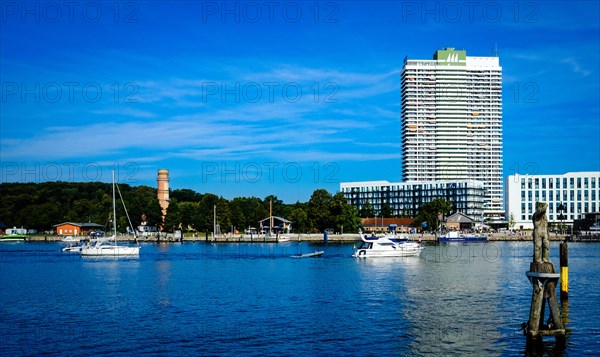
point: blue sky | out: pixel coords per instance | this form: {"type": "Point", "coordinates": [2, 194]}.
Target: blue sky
{"type": "Point", "coordinates": [260, 98]}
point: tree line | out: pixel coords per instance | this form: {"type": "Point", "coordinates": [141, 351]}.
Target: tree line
{"type": "Point", "coordinates": [40, 206]}
{"type": "Point", "coordinates": [192, 211]}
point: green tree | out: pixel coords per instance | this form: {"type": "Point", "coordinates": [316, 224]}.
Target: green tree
{"type": "Point", "coordinates": [206, 211]}
{"type": "Point", "coordinates": [429, 212]}
{"type": "Point", "coordinates": [366, 211]}
{"type": "Point", "coordinates": [299, 220]}
{"type": "Point", "coordinates": [83, 209]}
{"type": "Point", "coordinates": [190, 216]}
{"type": "Point", "coordinates": [185, 195]}
{"type": "Point", "coordinates": [255, 211]}
{"type": "Point", "coordinates": [511, 221]}
{"type": "Point", "coordinates": [238, 218]}
{"type": "Point", "coordinates": [141, 200]}
{"type": "Point", "coordinates": [173, 219]}
{"type": "Point", "coordinates": [223, 215]}
{"type": "Point", "coordinates": [277, 204]}
{"type": "Point", "coordinates": [39, 216]}
{"type": "Point", "coordinates": [344, 215]}
{"type": "Point", "coordinates": [318, 209]}
{"type": "Point", "coordinates": [386, 211]}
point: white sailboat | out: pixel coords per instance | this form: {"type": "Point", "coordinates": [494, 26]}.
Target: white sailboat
{"type": "Point", "coordinates": [103, 248]}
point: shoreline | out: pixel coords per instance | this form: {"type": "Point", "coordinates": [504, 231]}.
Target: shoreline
{"type": "Point", "coordinates": [334, 238]}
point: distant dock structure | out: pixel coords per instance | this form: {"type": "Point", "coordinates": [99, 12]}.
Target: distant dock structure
{"type": "Point", "coordinates": [163, 191]}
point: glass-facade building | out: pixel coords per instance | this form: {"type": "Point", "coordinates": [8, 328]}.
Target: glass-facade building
{"type": "Point", "coordinates": [406, 198]}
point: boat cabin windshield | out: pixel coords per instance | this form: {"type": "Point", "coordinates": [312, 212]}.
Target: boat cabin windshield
{"type": "Point", "coordinates": [399, 239]}
{"type": "Point", "coordinates": [365, 245]}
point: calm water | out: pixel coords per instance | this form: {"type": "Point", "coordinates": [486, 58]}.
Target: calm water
{"type": "Point", "coordinates": [253, 299]}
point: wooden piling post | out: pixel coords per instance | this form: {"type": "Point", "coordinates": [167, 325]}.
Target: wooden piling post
{"type": "Point", "coordinates": [564, 272]}
{"type": "Point", "coordinates": [543, 280]}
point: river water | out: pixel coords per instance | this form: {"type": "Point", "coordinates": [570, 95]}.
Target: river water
{"type": "Point", "coordinates": [253, 299]}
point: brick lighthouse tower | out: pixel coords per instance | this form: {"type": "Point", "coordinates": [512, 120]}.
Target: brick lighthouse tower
{"type": "Point", "coordinates": [163, 191]}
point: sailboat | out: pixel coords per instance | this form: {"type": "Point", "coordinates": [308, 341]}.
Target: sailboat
{"type": "Point", "coordinates": [103, 247]}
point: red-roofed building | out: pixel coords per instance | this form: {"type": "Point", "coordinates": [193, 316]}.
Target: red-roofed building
{"type": "Point", "coordinates": [75, 229]}
{"type": "Point", "coordinates": [400, 225]}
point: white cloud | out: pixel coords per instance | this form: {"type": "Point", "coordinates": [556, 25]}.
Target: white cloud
{"type": "Point", "coordinates": [576, 67]}
{"type": "Point", "coordinates": [172, 121]}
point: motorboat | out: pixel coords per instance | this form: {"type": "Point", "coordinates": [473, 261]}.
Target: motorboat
{"type": "Point", "coordinates": [451, 237]}
{"type": "Point", "coordinates": [282, 239]}
{"type": "Point", "coordinates": [316, 253]}
{"type": "Point", "coordinates": [13, 238]}
{"type": "Point", "coordinates": [70, 239]}
{"type": "Point", "coordinates": [72, 249]}
{"type": "Point", "coordinates": [390, 245]}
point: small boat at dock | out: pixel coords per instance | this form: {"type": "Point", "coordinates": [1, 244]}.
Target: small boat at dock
{"type": "Point", "coordinates": [13, 238]}
{"type": "Point", "coordinates": [282, 239]}
{"type": "Point", "coordinates": [70, 239]}
{"type": "Point", "coordinates": [451, 237]}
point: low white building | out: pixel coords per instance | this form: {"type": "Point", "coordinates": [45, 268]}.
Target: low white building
{"type": "Point", "coordinates": [16, 230]}
{"type": "Point", "coordinates": [569, 197]}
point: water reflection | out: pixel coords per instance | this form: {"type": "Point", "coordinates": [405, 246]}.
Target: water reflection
{"type": "Point", "coordinates": [452, 306]}
{"type": "Point", "coordinates": [163, 275]}
{"type": "Point", "coordinates": [199, 298]}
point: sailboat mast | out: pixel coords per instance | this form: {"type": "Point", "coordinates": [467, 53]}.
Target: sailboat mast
{"type": "Point", "coordinates": [114, 207]}
{"type": "Point", "coordinates": [270, 218]}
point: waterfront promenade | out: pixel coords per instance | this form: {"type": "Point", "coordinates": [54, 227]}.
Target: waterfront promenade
{"type": "Point", "coordinates": [332, 238]}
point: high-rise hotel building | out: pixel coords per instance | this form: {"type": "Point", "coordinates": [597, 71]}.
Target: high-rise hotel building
{"type": "Point", "coordinates": [452, 122]}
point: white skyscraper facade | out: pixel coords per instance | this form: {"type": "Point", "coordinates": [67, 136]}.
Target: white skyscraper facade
{"type": "Point", "coordinates": [452, 122]}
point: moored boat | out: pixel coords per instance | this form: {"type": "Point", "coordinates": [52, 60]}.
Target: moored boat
{"type": "Point", "coordinates": [451, 237]}
{"type": "Point", "coordinates": [110, 250]}
{"type": "Point", "coordinates": [70, 239]}
{"type": "Point", "coordinates": [104, 249]}
{"type": "Point", "coordinates": [13, 238]}
{"type": "Point", "coordinates": [72, 249]}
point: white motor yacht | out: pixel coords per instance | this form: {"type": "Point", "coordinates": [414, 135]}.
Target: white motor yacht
{"type": "Point", "coordinates": [387, 246]}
